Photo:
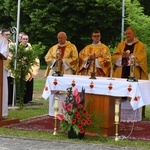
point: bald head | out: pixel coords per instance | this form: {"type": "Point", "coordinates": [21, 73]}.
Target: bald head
{"type": "Point", "coordinates": [62, 37]}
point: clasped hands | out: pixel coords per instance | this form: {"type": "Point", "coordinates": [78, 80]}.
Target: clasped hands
{"type": "Point", "coordinates": [91, 57]}
{"type": "Point", "coordinates": [126, 54]}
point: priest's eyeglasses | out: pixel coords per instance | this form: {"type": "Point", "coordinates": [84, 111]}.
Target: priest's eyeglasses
{"type": "Point", "coordinates": [96, 35]}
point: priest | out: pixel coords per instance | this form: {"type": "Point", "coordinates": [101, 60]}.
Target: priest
{"type": "Point", "coordinates": [122, 60]}
{"type": "Point", "coordinates": [68, 59]}
{"type": "Point", "coordinates": [4, 51]}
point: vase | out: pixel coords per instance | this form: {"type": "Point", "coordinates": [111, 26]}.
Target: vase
{"type": "Point", "coordinates": [81, 135]}
{"type": "Point", "coordinates": [72, 134]}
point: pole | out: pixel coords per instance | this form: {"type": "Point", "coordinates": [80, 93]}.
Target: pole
{"type": "Point", "coordinates": [123, 16]}
{"type": "Point", "coordinates": [16, 49]}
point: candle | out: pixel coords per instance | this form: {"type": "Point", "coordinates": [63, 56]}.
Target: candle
{"type": "Point", "coordinates": [116, 108]}
{"type": "Point", "coordinates": [111, 70]}
{"type": "Point", "coordinates": [117, 118]}
{"type": "Point", "coordinates": [56, 107]}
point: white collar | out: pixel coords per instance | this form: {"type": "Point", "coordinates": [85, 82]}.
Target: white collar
{"type": "Point", "coordinates": [130, 43]}
{"type": "Point", "coordinates": [99, 43]}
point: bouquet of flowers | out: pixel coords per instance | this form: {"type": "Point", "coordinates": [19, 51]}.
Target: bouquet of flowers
{"type": "Point", "coordinates": [74, 115]}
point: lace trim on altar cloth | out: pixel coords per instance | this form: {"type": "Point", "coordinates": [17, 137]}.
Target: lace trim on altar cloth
{"type": "Point", "coordinates": [128, 114]}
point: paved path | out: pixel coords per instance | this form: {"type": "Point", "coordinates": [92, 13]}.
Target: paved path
{"type": "Point", "coordinates": [13, 143]}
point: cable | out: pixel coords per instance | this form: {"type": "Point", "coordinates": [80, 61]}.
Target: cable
{"type": "Point", "coordinates": [127, 137]}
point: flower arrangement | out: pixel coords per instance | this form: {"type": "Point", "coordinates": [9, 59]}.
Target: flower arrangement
{"type": "Point", "coordinates": [74, 116]}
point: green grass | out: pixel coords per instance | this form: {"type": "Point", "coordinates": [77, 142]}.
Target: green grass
{"type": "Point", "coordinates": [38, 110]}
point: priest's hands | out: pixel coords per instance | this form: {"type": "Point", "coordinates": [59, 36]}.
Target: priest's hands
{"type": "Point", "coordinates": [126, 54]}
{"type": "Point", "coordinates": [91, 57]}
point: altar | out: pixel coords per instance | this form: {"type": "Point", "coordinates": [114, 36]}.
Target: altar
{"type": "Point", "coordinates": [103, 92]}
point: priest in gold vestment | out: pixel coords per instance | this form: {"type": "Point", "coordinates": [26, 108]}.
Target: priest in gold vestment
{"type": "Point", "coordinates": [122, 58]}
{"type": "Point", "coordinates": [95, 56]}
{"type": "Point", "coordinates": [69, 63]}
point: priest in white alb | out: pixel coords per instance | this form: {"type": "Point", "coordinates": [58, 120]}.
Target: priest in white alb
{"type": "Point", "coordinates": [4, 50]}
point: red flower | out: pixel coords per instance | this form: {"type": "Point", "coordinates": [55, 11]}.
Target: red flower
{"type": "Point", "coordinates": [84, 112]}
{"type": "Point", "coordinates": [83, 121]}
{"type": "Point", "coordinates": [81, 130]}
{"type": "Point", "coordinates": [63, 106]}
{"type": "Point", "coordinates": [60, 116]}
{"type": "Point", "coordinates": [80, 125]}
{"type": "Point", "coordinates": [74, 121]}
{"type": "Point", "coordinates": [88, 122]}
{"type": "Point", "coordinates": [77, 113]}
{"type": "Point", "coordinates": [69, 106]}
{"type": "Point", "coordinates": [78, 99]}
{"type": "Point", "coordinates": [87, 116]}
{"type": "Point", "coordinates": [75, 92]}
{"type": "Point", "coordinates": [80, 106]}
{"type": "Point", "coordinates": [78, 116]}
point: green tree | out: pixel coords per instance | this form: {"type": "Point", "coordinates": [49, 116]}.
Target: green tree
{"type": "Point", "coordinates": [140, 22]}
{"type": "Point", "coordinates": [145, 4]}
{"type": "Point", "coordinates": [4, 19]}
{"type": "Point", "coordinates": [42, 20]}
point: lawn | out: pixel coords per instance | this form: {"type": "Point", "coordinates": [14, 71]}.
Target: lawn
{"type": "Point", "coordinates": [29, 111]}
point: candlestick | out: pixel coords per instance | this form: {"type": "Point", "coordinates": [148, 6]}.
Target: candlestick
{"type": "Point", "coordinates": [132, 71]}
{"type": "Point", "coordinates": [58, 60]}
{"type": "Point", "coordinates": [117, 108]}
{"type": "Point", "coordinates": [56, 106]}
{"type": "Point", "coordinates": [132, 66]}
{"type": "Point", "coordinates": [93, 72]}
{"type": "Point", "coordinates": [116, 118]}
{"type": "Point", "coordinates": [111, 68]}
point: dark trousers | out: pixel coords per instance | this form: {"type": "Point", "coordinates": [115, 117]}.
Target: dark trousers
{"type": "Point", "coordinates": [10, 90]}
{"type": "Point", "coordinates": [29, 91]}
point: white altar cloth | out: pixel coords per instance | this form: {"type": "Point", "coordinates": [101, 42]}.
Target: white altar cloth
{"type": "Point", "coordinates": [139, 92]}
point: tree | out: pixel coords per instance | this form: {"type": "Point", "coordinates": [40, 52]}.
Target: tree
{"type": "Point", "coordinates": [42, 20]}
{"type": "Point", "coordinates": [140, 22]}
{"type": "Point", "coordinates": [4, 18]}
{"type": "Point", "coordinates": [146, 6]}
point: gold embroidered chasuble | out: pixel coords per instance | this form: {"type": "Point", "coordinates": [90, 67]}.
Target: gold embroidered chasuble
{"type": "Point", "coordinates": [103, 57]}
{"type": "Point", "coordinates": [141, 70]}
{"type": "Point", "coordinates": [68, 53]}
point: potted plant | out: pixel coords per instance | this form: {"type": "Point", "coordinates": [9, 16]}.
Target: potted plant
{"type": "Point", "coordinates": [74, 117]}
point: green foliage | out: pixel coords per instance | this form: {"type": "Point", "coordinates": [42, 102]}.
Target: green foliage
{"type": "Point", "coordinates": [145, 4]}
{"type": "Point", "coordinates": [42, 20]}
{"type": "Point", "coordinates": [39, 50]}
{"type": "Point", "coordinates": [148, 57]}
{"type": "Point", "coordinates": [140, 22]}
{"type": "Point", "coordinates": [20, 64]}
